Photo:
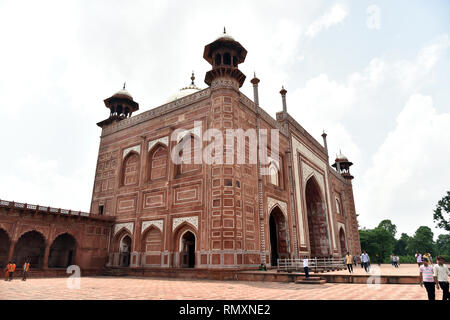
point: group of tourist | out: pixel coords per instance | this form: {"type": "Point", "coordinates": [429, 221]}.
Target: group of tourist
{"type": "Point", "coordinates": [364, 260]}
{"type": "Point", "coordinates": [420, 257]}
{"type": "Point", "coordinates": [434, 277]}
{"type": "Point", "coordinates": [11, 268]}
{"type": "Point", "coordinates": [395, 260]}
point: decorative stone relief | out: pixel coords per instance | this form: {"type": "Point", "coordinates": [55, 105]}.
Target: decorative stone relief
{"type": "Point", "coordinates": [225, 83]}
{"type": "Point", "coordinates": [163, 140]}
{"type": "Point", "coordinates": [157, 223]}
{"type": "Point", "coordinates": [136, 149]}
{"type": "Point", "coordinates": [128, 226]}
{"type": "Point", "coordinates": [156, 112]}
{"type": "Point", "coordinates": [271, 202]}
{"type": "Point", "coordinates": [192, 220]}
{"type": "Point", "coordinates": [196, 131]}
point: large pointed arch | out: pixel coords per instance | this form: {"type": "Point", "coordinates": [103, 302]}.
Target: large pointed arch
{"type": "Point", "coordinates": [319, 243]}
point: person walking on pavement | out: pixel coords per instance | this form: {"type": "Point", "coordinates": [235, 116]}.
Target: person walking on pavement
{"type": "Point", "coordinates": [441, 274]}
{"type": "Point", "coordinates": [349, 262]}
{"type": "Point", "coordinates": [26, 268]}
{"type": "Point", "coordinates": [11, 269]}
{"type": "Point", "coordinates": [365, 260]}
{"type": "Point", "coordinates": [426, 279]}
{"type": "Point", "coordinates": [419, 259]}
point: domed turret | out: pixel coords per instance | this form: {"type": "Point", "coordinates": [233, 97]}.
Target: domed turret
{"type": "Point", "coordinates": [121, 106]}
{"type": "Point", "coordinates": [225, 54]}
{"type": "Point", "coordinates": [342, 166]}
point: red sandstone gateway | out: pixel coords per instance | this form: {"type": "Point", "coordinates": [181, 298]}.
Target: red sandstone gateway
{"type": "Point", "coordinates": [150, 212]}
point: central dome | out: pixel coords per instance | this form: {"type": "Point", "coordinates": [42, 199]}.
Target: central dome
{"type": "Point", "coordinates": [183, 92]}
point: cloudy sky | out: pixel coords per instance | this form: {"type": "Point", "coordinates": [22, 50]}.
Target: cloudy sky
{"type": "Point", "coordinates": [374, 74]}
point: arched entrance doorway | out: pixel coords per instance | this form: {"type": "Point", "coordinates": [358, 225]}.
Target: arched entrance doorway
{"type": "Point", "coordinates": [317, 221]}
{"type": "Point", "coordinates": [343, 242]}
{"type": "Point", "coordinates": [187, 250]}
{"type": "Point", "coordinates": [62, 251]}
{"type": "Point", "coordinates": [4, 248]}
{"type": "Point", "coordinates": [125, 249]}
{"type": "Point", "coordinates": [31, 247]}
{"type": "Point", "coordinates": [278, 236]}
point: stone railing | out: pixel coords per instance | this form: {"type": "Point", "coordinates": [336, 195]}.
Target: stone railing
{"type": "Point", "coordinates": [34, 207]}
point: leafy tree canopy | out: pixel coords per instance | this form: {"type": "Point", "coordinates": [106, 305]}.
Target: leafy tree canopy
{"type": "Point", "coordinates": [441, 214]}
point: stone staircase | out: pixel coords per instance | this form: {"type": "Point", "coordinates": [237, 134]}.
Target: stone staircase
{"type": "Point", "coordinates": [310, 280]}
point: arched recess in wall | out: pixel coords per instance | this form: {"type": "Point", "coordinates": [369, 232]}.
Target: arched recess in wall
{"type": "Point", "coordinates": [152, 245]}
{"type": "Point", "coordinates": [317, 221]}
{"type": "Point", "coordinates": [130, 169]}
{"type": "Point", "coordinates": [62, 251]}
{"type": "Point", "coordinates": [5, 242]}
{"type": "Point", "coordinates": [342, 241]}
{"type": "Point", "coordinates": [30, 247]}
{"type": "Point", "coordinates": [278, 235]}
{"type": "Point", "coordinates": [157, 162]}
{"type": "Point", "coordinates": [185, 243]}
{"type": "Point", "coordinates": [190, 155]}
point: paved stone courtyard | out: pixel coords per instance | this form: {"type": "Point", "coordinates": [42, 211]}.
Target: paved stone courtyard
{"type": "Point", "coordinates": [156, 288]}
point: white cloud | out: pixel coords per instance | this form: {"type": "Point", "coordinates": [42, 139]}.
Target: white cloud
{"type": "Point", "coordinates": [409, 172]}
{"type": "Point", "coordinates": [335, 15]}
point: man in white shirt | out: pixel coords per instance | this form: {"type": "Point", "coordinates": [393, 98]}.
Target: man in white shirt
{"type": "Point", "coordinates": [441, 274]}
{"type": "Point", "coordinates": [306, 267]}
{"type": "Point", "coordinates": [365, 260]}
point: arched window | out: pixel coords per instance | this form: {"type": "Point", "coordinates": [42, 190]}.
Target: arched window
{"type": "Point", "coordinates": [158, 162]}
{"type": "Point", "coordinates": [190, 155]}
{"type": "Point", "coordinates": [130, 170]}
{"type": "Point", "coordinates": [274, 176]}
{"type": "Point", "coordinates": [227, 59]}
{"type": "Point", "coordinates": [218, 59]}
{"type": "Point", "coordinates": [234, 61]}
{"type": "Point", "coordinates": [338, 206]}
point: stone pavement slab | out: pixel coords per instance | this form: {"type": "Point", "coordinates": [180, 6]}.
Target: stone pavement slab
{"type": "Point", "coordinates": [123, 288]}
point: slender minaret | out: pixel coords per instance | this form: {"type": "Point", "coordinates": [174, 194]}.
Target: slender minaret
{"type": "Point", "coordinates": [255, 82]}
{"type": "Point", "coordinates": [324, 136]}
{"type": "Point", "coordinates": [283, 98]}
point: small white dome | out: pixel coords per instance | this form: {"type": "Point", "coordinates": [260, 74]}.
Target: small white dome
{"type": "Point", "coordinates": [341, 157]}
{"type": "Point", "coordinates": [123, 92]}
{"type": "Point", "coordinates": [183, 92]}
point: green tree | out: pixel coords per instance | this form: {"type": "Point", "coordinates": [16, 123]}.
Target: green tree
{"type": "Point", "coordinates": [401, 244]}
{"type": "Point", "coordinates": [422, 241]}
{"type": "Point", "coordinates": [441, 214]}
{"type": "Point", "coordinates": [377, 241]}
{"type": "Point", "coordinates": [443, 244]}
{"type": "Point", "coordinates": [388, 226]}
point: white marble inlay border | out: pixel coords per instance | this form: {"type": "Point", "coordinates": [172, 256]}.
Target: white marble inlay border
{"type": "Point", "coordinates": [193, 220]}
{"type": "Point", "coordinates": [163, 140]}
{"type": "Point", "coordinates": [157, 223]}
{"type": "Point", "coordinates": [271, 203]}
{"type": "Point", "coordinates": [128, 226]}
{"type": "Point", "coordinates": [126, 151]}
{"type": "Point", "coordinates": [196, 131]}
